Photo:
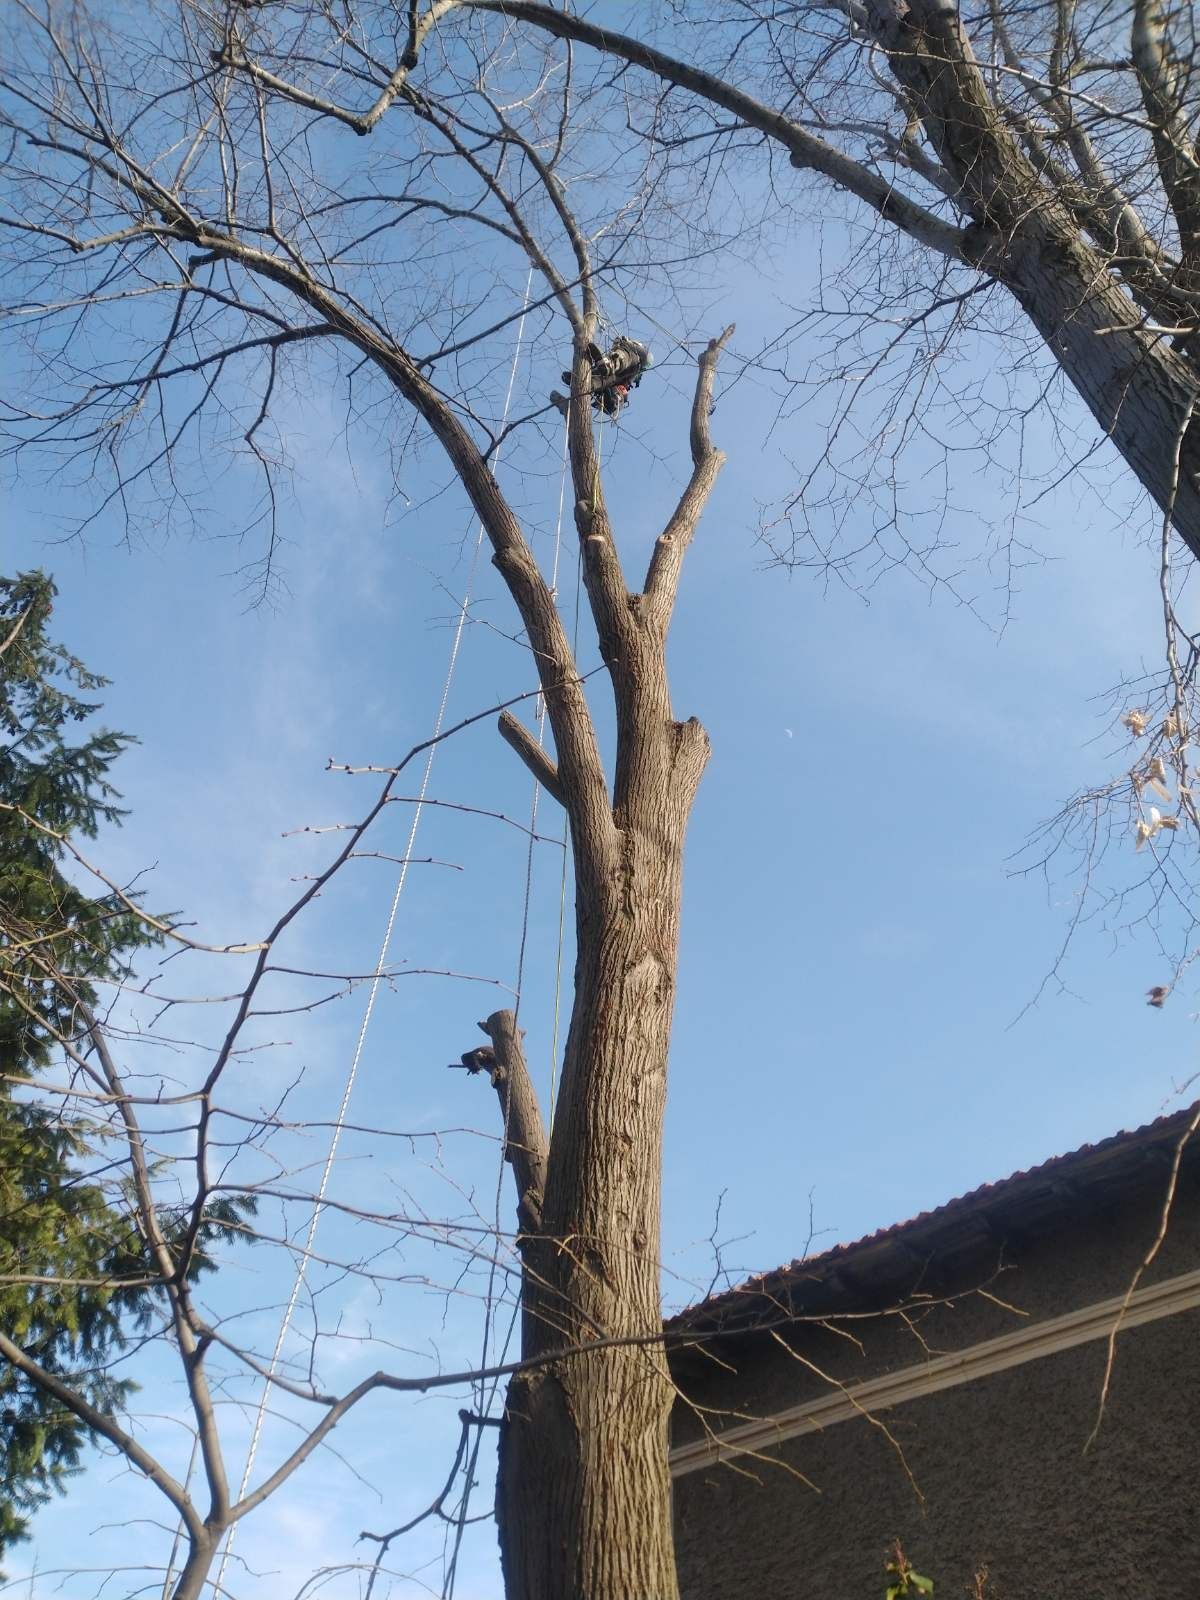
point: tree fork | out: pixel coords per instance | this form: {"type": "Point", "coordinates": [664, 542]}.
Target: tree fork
{"type": "Point", "coordinates": [583, 1495]}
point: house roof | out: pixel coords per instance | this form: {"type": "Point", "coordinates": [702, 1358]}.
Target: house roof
{"type": "Point", "coordinates": [1022, 1205]}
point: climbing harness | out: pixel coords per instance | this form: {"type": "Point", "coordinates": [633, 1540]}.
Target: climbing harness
{"type": "Point", "coordinates": [614, 374]}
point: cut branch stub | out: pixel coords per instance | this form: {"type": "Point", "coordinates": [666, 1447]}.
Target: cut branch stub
{"type": "Point", "coordinates": [525, 1144]}
{"type": "Point", "coordinates": [542, 765]}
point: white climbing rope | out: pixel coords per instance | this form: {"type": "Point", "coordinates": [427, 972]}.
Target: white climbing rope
{"type": "Point", "coordinates": [486, 1391]}
{"type": "Point", "coordinates": [373, 991]}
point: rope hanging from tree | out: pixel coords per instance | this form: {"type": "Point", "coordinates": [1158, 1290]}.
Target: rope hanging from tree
{"type": "Point", "coordinates": [378, 972]}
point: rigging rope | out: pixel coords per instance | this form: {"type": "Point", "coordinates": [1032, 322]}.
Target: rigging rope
{"type": "Point", "coordinates": [486, 1390]}
{"type": "Point", "coordinates": [483, 1405]}
{"type": "Point", "coordinates": [178, 1539]}
{"type": "Point", "coordinates": [377, 978]}
{"type": "Point", "coordinates": [562, 888]}
{"type": "Point", "coordinates": [541, 727]}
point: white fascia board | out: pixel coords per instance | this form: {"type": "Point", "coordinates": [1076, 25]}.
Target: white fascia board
{"type": "Point", "coordinates": [1030, 1343]}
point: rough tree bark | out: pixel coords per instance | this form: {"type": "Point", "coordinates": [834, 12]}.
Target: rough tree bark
{"type": "Point", "coordinates": [583, 1497]}
{"type": "Point", "coordinates": [1137, 387]}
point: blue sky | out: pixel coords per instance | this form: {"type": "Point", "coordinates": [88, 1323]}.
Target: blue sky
{"type": "Point", "coordinates": [855, 949]}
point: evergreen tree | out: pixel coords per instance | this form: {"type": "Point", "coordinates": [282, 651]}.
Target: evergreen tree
{"type": "Point", "coordinates": [49, 782]}
{"type": "Point", "coordinates": [53, 1223]}
{"type": "Point", "coordinates": [66, 1240]}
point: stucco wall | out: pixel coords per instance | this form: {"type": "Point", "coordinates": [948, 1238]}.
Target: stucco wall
{"type": "Point", "coordinates": [999, 1460]}
{"type": "Point", "coordinates": [1005, 1482]}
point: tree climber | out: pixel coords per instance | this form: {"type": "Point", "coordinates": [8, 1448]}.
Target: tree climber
{"type": "Point", "coordinates": [615, 374]}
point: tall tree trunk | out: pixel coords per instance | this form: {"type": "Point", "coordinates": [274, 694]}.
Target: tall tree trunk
{"type": "Point", "coordinates": [584, 1491]}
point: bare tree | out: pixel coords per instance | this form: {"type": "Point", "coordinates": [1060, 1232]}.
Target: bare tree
{"type": "Point", "coordinates": [186, 169]}
{"type": "Point", "coordinates": [198, 1164]}
{"type": "Point", "coordinates": [214, 206]}
{"type": "Point", "coordinates": [194, 1169]}
{"type": "Point", "coordinates": [1050, 149]}
{"type": "Point", "coordinates": [1042, 160]}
